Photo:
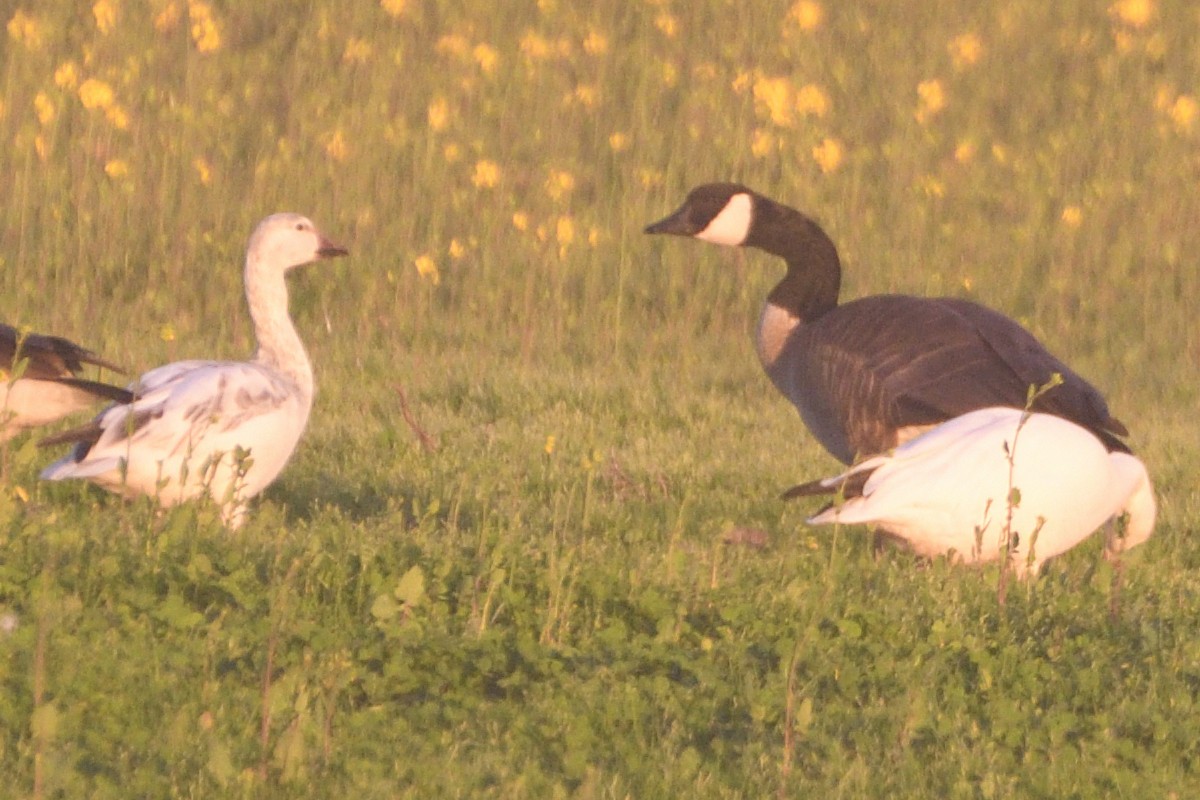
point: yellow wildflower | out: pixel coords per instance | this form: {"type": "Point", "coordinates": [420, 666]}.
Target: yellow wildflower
{"type": "Point", "coordinates": [452, 153]}
{"type": "Point", "coordinates": [427, 268]}
{"type": "Point", "coordinates": [487, 174]}
{"type": "Point", "coordinates": [807, 15]}
{"type": "Point", "coordinates": [168, 18]}
{"type": "Point", "coordinates": [1134, 13]}
{"type": "Point", "coordinates": [586, 94]}
{"type": "Point", "coordinates": [487, 57]}
{"type": "Point", "coordinates": [812, 101]}
{"type": "Point", "coordinates": [39, 142]}
{"type": "Point", "coordinates": [203, 170]}
{"type": "Point", "coordinates": [670, 73]}
{"type": "Point", "coordinates": [457, 249]}
{"type": "Point", "coordinates": [336, 147]}
{"type": "Point", "coordinates": [763, 143]}
{"type": "Point", "coordinates": [167, 332]}
{"type": "Point", "coordinates": [965, 50]}
{"type": "Point", "coordinates": [453, 44]}
{"type": "Point", "coordinates": [564, 231]}
{"type": "Point", "coordinates": [520, 220]}
{"type": "Point", "coordinates": [596, 43]}
{"type": "Point", "coordinates": [931, 186]}
{"type": "Point", "coordinates": [1184, 112]}
{"type": "Point", "coordinates": [26, 30]}
{"type": "Point", "coordinates": [395, 8]}
{"type": "Point", "coordinates": [1072, 216]}
{"type": "Point", "coordinates": [105, 12]}
{"type": "Point", "coordinates": [828, 155]}
{"type": "Point", "coordinates": [204, 27]}
{"type": "Point", "coordinates": [931, 100]}
{"type": "Point", "coordinates": [438, 114]}
{"type": "Point", "coordinates": [742, 82]}
{"type": "Point", "coordinates": [43, 106]}
{"type": "Point", "coordinates": [116, 168]}
{"type": "Point", "coordinates": [619, 142]}
{"type": "Point", "coordinates": [1164, 97]}
{"type": "Point", "coordinates": [549, 446]}
{"type": "Point", "coordinates": [95, 94]}
{"type": "Point", "coordinates": [358, 51]}
{"type": "Point", "coordinates": [650, 178]}
{"type": "Point", "coordinates": [593, 236]}
{"type": "Point", "coordinates": [66, 76]}
{"type": "Point", "coordinates": [559, 183]}
{"type": "Point", "coordinates": [965, 152]}
{"type": "Point", "coordinates": [668, 24]}
{"type": "Point", "coordinates": [775, 95]}
{"type": "Point", "coordinates": [534, 46]}
{"type": "Point", "coordinates": [117, 116]}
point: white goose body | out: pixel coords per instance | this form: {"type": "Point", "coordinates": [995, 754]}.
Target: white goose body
{"type": "Point", "coordinates": [221, 428]}
{"type": "Point", "coordinates": [872, 373]}
{"type": "Point", "coordinates": [38, 383]}
{"type": "Point", "coordinates": [946, 492]}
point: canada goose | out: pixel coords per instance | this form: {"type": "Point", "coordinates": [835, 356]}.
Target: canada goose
{"type": "Point", "coordinates": [946, 491]}
{"type": "Point", "coordinates": [46, 388]}
{"type": "Point", "coordinates": [871, 374]}
{"type": "Point", "coordinates": [222, 427]}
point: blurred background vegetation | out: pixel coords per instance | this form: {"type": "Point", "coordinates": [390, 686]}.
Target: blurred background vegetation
{"type": "Point", "coordinates": [600, 417]}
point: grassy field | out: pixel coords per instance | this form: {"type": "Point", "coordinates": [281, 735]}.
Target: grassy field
{"type": "Point", "coordinates": [539, 600]}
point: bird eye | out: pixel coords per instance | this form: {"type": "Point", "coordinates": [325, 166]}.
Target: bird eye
{"type": "Point", "coordinates": [299, 226]}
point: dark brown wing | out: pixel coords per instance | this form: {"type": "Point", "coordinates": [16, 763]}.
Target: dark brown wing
{"type": "Point", "coordinates": [888, 362]}
{"type": "Point", "coordinates": [1076, 399]}
{"type": "Point", "coordinates": [49, 356]}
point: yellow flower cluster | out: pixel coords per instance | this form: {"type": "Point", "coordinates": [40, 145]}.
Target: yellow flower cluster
{"type": "Point", "coordinates": [438, 114]}
{"type": "Point", "coordinates": [394, 8]}
{"type": "Point", "coordinates": [931, 99]}
{"type": "Point", "coordinates": [965, 50]}
{"type": "Point", "coordinates": [778, 100]}
{"type": "Point", "coordinates": [105, 13]}
{"type": "Point", "coordinates": [26, 30]}
{"type": "Point", "coordinates": [427, 268]}
{"type": "Point", "coordinates": [95, 94]}
{"type": "Point", "coordinates": [1133, 13]}
{"type": "Point", "coordinates": [205, 34]}
{"type": "Point", "coordinates": [807, 15]}
{"type": "Point", "coordinates": [828, 155]}
{"type": "Point", "coordinates": [487, 174]}
{"type": "Point", "coordinates": [559, 184]}
{"type": "Point", "coordinates": [358, 51]}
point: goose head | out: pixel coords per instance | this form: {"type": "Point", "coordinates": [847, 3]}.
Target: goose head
{"type": "Point", "coordinates": [286, 240]}
{"type": "Point", "coordinates": [720, 213]}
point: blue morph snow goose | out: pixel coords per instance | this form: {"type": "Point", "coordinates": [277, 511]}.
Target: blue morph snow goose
{"type": "Point", "coordinates": [872, 373]}
{"type": "Point", "coordinates": [39, 383]}
{"type": "Point", "coordinates": [225, 428]}
{"type": "Point", "coordinates": [947, 491]}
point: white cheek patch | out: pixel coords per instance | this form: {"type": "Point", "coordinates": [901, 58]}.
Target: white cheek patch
{"type": "Point", "coordinates": [731, 226]}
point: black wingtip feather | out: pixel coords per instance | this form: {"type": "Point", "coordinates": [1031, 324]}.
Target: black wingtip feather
{"type": "Point", "coordinates": [103, 391]}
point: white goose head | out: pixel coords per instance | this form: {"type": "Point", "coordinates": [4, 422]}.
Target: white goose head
{"type": "Point", "coordinates": [286, 240]}
{"type": "Point", "coordinates": [719, 213]}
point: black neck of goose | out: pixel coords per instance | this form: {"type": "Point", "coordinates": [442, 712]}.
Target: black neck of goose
{"type": "Point", "coordinates": [814, 272]}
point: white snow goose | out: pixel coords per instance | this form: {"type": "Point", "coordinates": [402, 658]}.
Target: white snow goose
{"type": "Point", "coordinates": [222, 428]}
{"type": "Point", "coordinates": [947, 491]}
{"type": "Point", "coordinates": [872, 373]}
{"type": "Point", "coordinates": [39, 383]}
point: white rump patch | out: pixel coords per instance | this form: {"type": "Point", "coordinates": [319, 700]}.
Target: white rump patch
{"type": "Point", "coordinates": [731, 226]}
